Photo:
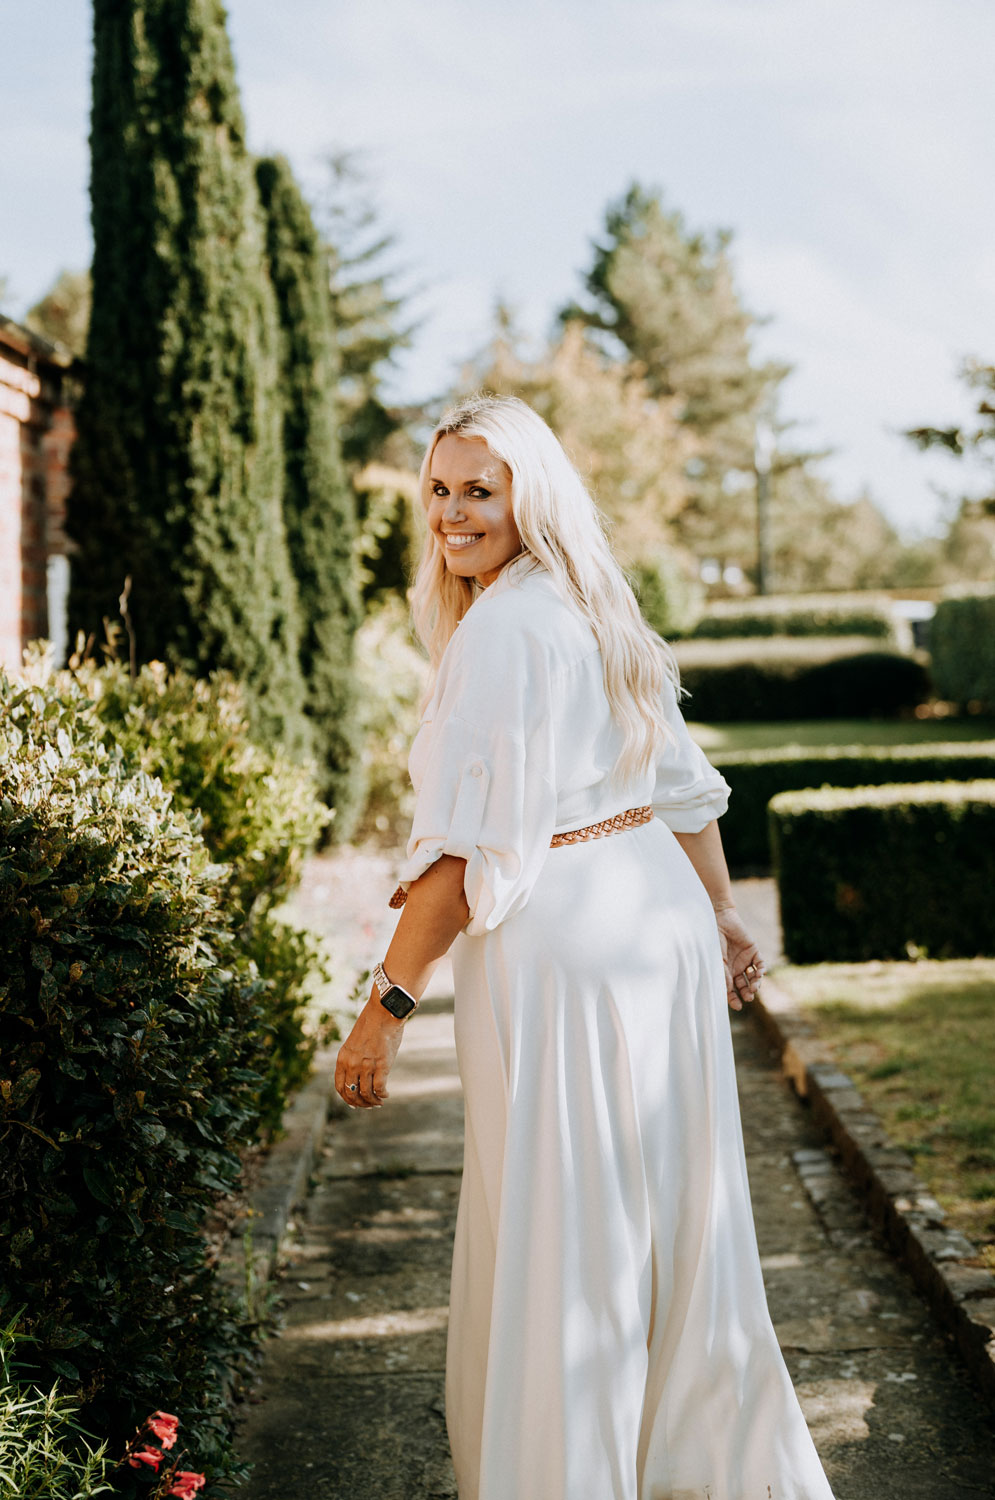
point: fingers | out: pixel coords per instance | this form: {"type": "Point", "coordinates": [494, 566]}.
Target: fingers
{"type": "Point", "coordinates": [747, 981]}
{"type": "Point", "coordinates": [360, 1082]}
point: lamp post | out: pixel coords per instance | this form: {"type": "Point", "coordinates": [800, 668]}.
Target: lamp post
{"type": "Point", "coordinates": [764, 441]}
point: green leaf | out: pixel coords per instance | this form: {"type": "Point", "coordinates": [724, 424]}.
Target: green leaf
{"type": "Point", "coordinates": [100, 1186]}
{"type": "Point", "coordinates": [63, 1367]}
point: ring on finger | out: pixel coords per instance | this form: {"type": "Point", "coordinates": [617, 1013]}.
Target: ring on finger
{"type": "Point", "coordinates": [352, 1087]}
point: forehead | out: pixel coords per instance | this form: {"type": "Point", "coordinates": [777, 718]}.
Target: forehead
{"type": "Point", "coordinates": [458, 459]}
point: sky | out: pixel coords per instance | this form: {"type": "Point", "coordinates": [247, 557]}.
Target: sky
{"type": "Point", "coordinates": [849, 145]}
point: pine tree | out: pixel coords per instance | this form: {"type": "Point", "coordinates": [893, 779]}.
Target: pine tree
{"type": "Point", "coordinates": [319, 502]}
{"type": "Point", "coordinates": [177, 468]}
{"type": "Point", "coordinates": [663, 299]}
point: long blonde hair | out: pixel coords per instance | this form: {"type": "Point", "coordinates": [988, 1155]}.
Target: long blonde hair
{"type": "Point", "coordinates": [561, 527]}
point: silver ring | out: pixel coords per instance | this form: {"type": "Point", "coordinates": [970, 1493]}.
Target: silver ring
{"type": "Point", "coordinates": [352, 1087]}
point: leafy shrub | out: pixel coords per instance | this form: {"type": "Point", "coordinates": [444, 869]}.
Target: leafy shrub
{"type": "Point", "coordinates": [755, 776]}
{"type": "Point", "coordinates": [962, 641]}
{"type": "Point", "coordinates": [392, 674]}
{"type": "Point", "coordinates": [669, 598]}
{"type": "Point", "coordinates": [260, 811]}
{"type": "Point", "coordinates": [785, 678]}
{"type": "Point", "coordinates": [129, 1026]}
{"type": "Point", "coordinates": [259, 814]}
{"type": "Point", "coordinates": [869, 615]}
{"type": "Point", "coordinates": [44, 1452]}
{"type": "Point", "coordinates": [886, 872]}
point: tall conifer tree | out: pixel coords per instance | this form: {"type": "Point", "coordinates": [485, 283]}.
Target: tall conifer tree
{"type": "Point", "coordinates": [319, 501]}
{"type": "Point", "coordinates": [178, 472]}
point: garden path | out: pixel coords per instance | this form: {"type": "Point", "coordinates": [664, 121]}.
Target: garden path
{"type": "Point", "coordinates": [349, 1403]}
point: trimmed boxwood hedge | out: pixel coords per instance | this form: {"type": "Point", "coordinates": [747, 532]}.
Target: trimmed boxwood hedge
{"type": "Point", "coordinates": [806, 615]}
{"type": "Point", "coordinates": [886, 872]}
{"type": "Point", "coordinates": [962, 641]}
{"type": "Point", "coordinates": [784, 678]}
{"type": "Point", "coordinates": [755, 776]}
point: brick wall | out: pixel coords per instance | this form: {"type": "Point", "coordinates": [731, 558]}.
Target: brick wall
{"type": "Point", "coordinates": [36, 434]}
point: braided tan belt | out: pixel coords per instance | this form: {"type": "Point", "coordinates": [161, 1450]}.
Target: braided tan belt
{"type": "Point", "coordinates": [633, 817]}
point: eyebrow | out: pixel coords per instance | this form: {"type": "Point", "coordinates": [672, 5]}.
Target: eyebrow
{"type": "Point", "coordinates": [468, 484]}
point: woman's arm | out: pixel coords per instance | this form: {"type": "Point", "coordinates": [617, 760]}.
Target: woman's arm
{"type": "Point", "coordinates": [434, 913]}
{"type": "Point", "coordinates": [739, 951]}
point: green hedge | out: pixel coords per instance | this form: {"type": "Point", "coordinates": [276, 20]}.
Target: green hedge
{"type": "Point", "coordinates": [784, 678]}
{"type": "Point", "coordinates": [259, 814]}
{"type": "Point", "coordinates": [806, 615]}
{"type": "Point", "coordinates": [130, 1024]}
{"type": "Point", "coordinates": [755, 776]}
{"type": "Point", "coordinates": [962, 643]}
{"type": "Point", "coordinates": [886, 872]}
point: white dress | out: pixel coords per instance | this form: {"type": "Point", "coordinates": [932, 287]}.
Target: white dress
{"type": "Point", "coordinates": [609, 1336]}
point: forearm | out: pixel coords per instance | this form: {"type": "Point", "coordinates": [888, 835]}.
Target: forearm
{"type": "Point", "coordinates": [705, 852]}
{"type": "Point", "coordinates": [434, 914]}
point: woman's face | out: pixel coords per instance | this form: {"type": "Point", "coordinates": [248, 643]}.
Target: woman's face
{"type": "Point", "coordinates": [469, 508]}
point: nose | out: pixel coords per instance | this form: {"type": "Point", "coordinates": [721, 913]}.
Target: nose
{"type": "Point", "coordinates": [453, 508]}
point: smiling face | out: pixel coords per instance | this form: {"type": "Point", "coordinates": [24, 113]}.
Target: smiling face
{"type": "Point", "coordinates": [469, 508]}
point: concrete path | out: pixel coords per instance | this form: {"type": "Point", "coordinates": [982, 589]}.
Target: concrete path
{"type": "Point", "coordinates": [349, 1404]}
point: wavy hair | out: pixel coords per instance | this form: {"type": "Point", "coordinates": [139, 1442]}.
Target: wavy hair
{"type": "Point", "coordinates": [562, 528]}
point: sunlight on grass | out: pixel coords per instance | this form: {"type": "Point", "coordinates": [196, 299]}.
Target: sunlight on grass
{"type": "Point", "coordinates": [714, 738]}
{"type": "Point", "coordinates": [919, 1041]}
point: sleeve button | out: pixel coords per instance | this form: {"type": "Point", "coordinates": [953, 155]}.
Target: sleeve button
{"type": "Point", "coordinates": [477, 770]}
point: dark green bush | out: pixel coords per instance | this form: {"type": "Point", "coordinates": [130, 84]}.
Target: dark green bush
{"type": "Point", "coordinates": [785, 678]}
{"type": "Point", "coordinates": [755, 776]}
{"type": "Point", "coordinates": [886, 872]}
{"type": "Point", "coordinates": [259, 814]}
{"type": "Point", "coordinates": [260, 810]}
{"type": "Point", "coordinates": [870, 615]}
{"type": "Point", "coordinates": [962, 642]}
{"type": "Point", "coordinates": [129, 1029]}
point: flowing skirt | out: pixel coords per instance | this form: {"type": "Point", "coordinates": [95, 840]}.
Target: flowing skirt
{"type": "Point", "coordinates": [609, 1335]}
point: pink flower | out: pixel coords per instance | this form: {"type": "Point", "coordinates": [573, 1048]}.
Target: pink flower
{"type": "Point", "coordinates": [165, 1416]}
{"type": "Point", "coordinates": [163, 1430]}
{"type": "Point", "coordinates": [150, 1456]}
{"type": "Point", "coordinates": [185, 1485]}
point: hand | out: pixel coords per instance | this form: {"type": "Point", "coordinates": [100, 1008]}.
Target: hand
{"type": "Point", "coordinates": [740, 954]}
{"type": "Point", "coordinates": [367, 1056]}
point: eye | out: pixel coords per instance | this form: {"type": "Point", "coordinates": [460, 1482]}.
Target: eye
{"type": "Point", "coordinates": [439, 489]}
{"type": "Point", "coordinates": [479, 493]}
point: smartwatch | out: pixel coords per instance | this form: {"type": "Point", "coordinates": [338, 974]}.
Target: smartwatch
{"type": "Point", "coordinates": [392, 996]}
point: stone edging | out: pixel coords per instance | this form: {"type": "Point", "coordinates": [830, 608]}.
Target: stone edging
{"type": "Point", "coordinates": [900, 1206]}
{"type": "Point", "coordinates": [282, 1181]}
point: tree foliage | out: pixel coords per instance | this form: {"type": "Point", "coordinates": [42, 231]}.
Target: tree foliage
{"type": "Point", "coordinates": [177, 468]}
{"type": "Point", "coordinates": [318, 500]}
{"type": "Point", "coordinates": [63, 314]}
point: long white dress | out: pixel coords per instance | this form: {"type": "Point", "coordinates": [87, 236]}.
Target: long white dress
{"type": "Point", "coordinates": [609, 1335]}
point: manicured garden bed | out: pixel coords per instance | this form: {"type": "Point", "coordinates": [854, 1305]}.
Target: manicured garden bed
{"type": "Point", "coordinates": [918, 1039]}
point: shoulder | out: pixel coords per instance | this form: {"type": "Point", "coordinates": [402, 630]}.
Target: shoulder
{"type": "Point", "coordinates": [524, 617]}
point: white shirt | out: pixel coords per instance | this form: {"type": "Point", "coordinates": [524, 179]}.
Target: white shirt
{"type": "Point", "coordinates": [518, 742]}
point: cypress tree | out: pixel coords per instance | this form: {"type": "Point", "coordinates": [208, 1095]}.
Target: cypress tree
{"type": "Point", "coordinates": [318, 499]}
{"type": "Point", "coordinates": [177, 468]}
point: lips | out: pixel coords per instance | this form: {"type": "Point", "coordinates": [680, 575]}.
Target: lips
{"type": "Point", "coordinates": [458, 540]}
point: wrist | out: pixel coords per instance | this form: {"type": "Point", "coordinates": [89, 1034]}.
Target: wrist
{"type": "Point", "coordinates": [723, 903]}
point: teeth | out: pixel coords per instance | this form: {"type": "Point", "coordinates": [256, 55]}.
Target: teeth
{"type": "Point", "coordinates": [463, 540]}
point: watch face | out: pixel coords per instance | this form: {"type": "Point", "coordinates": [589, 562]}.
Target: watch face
{"type": "Point", "coordinates": [398, 1002]}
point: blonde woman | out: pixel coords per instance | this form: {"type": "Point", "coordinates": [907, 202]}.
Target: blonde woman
{"type": "Point", "coordinates": [609, 1336]}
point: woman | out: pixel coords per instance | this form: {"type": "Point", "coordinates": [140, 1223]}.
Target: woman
{"type": "Point", "coordinates": [609, 1336]}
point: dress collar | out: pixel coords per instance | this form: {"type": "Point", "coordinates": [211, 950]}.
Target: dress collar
{"type": "Point", "coordinates": [512, 573]}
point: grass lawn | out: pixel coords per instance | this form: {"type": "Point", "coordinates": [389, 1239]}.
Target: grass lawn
{"type": "Point", "coordinates": [918, 1039]}
{"type": "Point", "coordinates": [816, 732]}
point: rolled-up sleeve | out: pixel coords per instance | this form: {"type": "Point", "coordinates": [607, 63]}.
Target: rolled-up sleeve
{"type": "Point", "coordinates": [689, 793]}
{"type": "Point", "coordinates": [484, 791]}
